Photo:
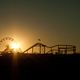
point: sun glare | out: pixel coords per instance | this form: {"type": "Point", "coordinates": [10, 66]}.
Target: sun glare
{"type": "Point", "coordinates": [15, 47]}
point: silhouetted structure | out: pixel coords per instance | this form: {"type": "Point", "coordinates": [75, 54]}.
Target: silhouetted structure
{"type": "Point", "coordinates": [44, 49]}
{"type": "Point", "coordinates": [39, 48]}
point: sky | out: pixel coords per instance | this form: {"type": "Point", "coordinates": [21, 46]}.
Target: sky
{"type": "Point", "coordinates": [52, 21]}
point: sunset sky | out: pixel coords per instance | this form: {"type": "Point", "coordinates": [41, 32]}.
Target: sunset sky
{"type": "Point", "coordinates": [53, 21]}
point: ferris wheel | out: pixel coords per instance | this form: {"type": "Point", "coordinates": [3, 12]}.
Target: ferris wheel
{"type": "Point", "coordinates": [5, 44]}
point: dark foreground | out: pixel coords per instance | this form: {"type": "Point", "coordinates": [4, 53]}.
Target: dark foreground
{"type": "Point", "coordinates": [39, 67]}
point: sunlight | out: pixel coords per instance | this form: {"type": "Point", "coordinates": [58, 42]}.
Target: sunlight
{"type": "Point", "coordinates": [15, 46]}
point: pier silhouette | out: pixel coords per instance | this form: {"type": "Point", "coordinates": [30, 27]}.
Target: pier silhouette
{"type": "Point", "coordinates": [40, 61]}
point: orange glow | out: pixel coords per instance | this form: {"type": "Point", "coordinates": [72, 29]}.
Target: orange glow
{"type": "Point", "coordinates": [15, 46]}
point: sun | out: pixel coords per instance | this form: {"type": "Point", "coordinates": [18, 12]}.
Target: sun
{"type": "Point", "coordinates": [15, 46]}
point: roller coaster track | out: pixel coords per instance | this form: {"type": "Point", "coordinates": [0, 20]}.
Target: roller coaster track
{"type": "Point", "coordinates": [44, 49]}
